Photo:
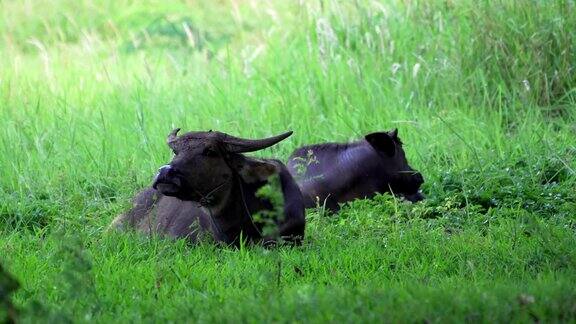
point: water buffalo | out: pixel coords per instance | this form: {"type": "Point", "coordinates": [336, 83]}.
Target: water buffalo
{"type": "Point", "coordinates": [211, 189]}
{"type": "Point", "coordinates": [334, 173]}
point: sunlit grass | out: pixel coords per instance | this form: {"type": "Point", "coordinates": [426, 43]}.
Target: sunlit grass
{"type": "Point", "coordinates": [483, 94]}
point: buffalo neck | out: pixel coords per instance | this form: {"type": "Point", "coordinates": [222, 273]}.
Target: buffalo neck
{"type": "Point", "coordinates": [233, 214]}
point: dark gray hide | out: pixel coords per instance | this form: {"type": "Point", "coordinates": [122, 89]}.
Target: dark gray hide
{"type": "Point", "coordinates": [210, 189]}
{"type": "Point", "coordinates": [334, 173]}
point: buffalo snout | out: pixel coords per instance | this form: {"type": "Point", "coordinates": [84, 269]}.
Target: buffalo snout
{"type": "Point", "coordinates": [167, 181]}
{"type": "Point", "coordinates": [413, 185]}
{"type": "Point", "coordinates": [418, 196]}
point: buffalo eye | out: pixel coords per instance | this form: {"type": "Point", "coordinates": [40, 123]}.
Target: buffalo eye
{"type": "Point", "coordinates": [209, 151]}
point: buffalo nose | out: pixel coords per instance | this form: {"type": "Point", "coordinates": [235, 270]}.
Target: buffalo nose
{"type": "Point", "coordinates": [418, 196]}
{"type": "Point", "coordinates": [166, 168]}
{"type": "Point", "coordinates": [163, 171]}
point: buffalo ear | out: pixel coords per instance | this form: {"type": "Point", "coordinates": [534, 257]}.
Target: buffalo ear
{"type": "Point", "coordinates": [382, 141]}
{"type": "Point", "coordinates": [254, 170]}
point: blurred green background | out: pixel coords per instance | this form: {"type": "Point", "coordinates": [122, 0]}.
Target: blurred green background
{"type": "Point", "coordinates": [483, 93]}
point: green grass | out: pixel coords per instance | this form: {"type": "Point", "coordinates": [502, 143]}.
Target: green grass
{"type": "Point", "coordinates": [483, 92]}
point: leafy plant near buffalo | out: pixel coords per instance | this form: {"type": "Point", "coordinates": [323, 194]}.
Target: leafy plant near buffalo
{"type": "Point", "coordinates": [302, 163]}
{"type": "Point", "coordinates": [272, 193]}
{"type": "Point", "coordinates": [539, 186]}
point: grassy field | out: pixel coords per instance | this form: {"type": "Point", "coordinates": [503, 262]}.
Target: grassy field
{"type": "Point", "coordinates": [483, 93]}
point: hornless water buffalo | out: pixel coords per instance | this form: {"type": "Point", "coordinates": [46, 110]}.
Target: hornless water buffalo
{"type": "Point", "coordinates": [334, 173]}
{"type": "Point", "coordinates": [210, 188]}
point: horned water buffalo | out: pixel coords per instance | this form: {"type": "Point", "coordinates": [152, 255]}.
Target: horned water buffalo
{"type": "Point", "coordinates": [333, 173]}
{"type": "Point", "coordinates": [211, 189]}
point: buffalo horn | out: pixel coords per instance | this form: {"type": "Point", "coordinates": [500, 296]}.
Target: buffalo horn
{"type": "Point", "coordinates": [173, 136]}
{"type": "Point", "coordinates": [241, 145]}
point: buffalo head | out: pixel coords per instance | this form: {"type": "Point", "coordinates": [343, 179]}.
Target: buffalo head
{"type": "Point", "coordinates": [205, 164]}
{"type": "Point", "coordinates": [402, 178]}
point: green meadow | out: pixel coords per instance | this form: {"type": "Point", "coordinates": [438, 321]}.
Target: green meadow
{"type": "Point", "coordinates": [483, 94]}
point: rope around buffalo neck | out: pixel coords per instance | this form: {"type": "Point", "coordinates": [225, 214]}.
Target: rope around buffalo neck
{"type": "Point", "coordinates": [244, 204]}
{"type": "Point", "coordinates": [202, 203]}
{"type": "Point", "coordinates": [246, 208]}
